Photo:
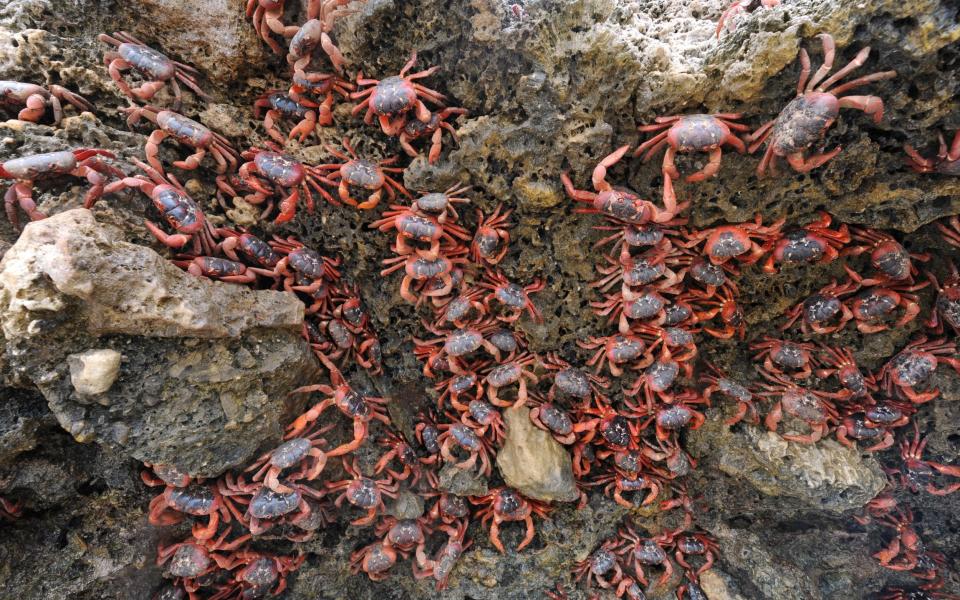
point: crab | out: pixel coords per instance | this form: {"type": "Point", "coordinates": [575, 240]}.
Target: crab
{"type": "Point", "coordinates": [622, 206]}
{"type": "Point", "coordinates": [315, 33]}
{"type": "Point", "coordinates": [267, 18]}
{"type": "Point", "coordinates": [365, 174]}
{"type": "Point", "coordinates": [825, 306]}
{"type": "Point", "coordinates": [815, 242]}
{"type": "Point", "coordinates": [654, 237]}
{"type": "Point", "coordinates": [33, 100]}
{"type": "Point", "coordinates": [362, 492]}
{"type": "Point", "coordinates": [214, 267]}
{"type": "Point", "coordinates": [267, 508]}
{"type": "Point", "coordinates": [918, 473]}
{"type": "Point", "coordinates": [392, 98]}
{"type": "Point", "coordinates": [449, 508]}
{"type": "Point", "coordinates": [727, 242]}
{"type": "Point", "coordinates": [512, 297]}
{"type": "Point", "coordinates": [252, 248]}
{"type": "Point", "coordinates": [441, 565]}
{"type": "Point", "coordinates": [743, 395]}
{"type": "Point", "coordinates": [463, 310]}
{"type": "Point", "coordinates": [617, 352]}
{"type": "Point", "coordinates": [695, 544]}
{"type": "Point", "coordinates": [484, 420]}
{"type": "Point", "coordinates": [620, 482]}
{"type": "Point", "coordinates": [178, 209]}
{"type": "Point", "coordinates": [853, 429]}
{"type": "Point", "coordinates": [442, 205]}
{"type": "Point", "coordinates": [26, 170]}
{"type": "Point", "coordinates": [415, 230]}
{"type": "Point", "coordinates": [278, 104]}
{"type": "Point", "coordinates": [398, 448]}
{"type": "Point", "coordinates": [423, 272]}
{"type": "Point", "coordinates": [504, 505]}
{"type": "Point", "coordinates": [301, 269]}
{"type": "Point", "coordinates": [782, 355]}
{"type": "Point", "coordinates": [692, 133]}
{"type": "Point", "coordinates": [155, 67]}
{"type": "Point", "coordinates": [723, 303]}
{"type": "Point", "coordinates": [451, 349]}
{"type": "Point", "coordinates": [915, 594]}
{"type": "Point", "coordinates": [514, 371]}
{"type": "Point", "coordinates": [600, 420]}
{"type": "Point", "coordinates": [468, 386]}
{"type": "Point", "coordinates": [313, 90]}
{"type": "Point", "coordinates": [946, 308]}
{"type": "Point", "coordinates": [901, 553]}
{"type": "Point", "coordinates": [841, 362]}
{"type": "Point", "coordinates": [655, 384]}
{"type": "Point", "coordinates": [871, 306]}
{"type": "Point", "coordinates": [554, 420]}
{"type": "Point", "coordinates": [678, 414]}
{"type": "Point", "coordinates": [913, 366]}
{"type": "Point", "coordinates": [261, 574]}
{"type": "Point", "coordinates": [887, 255]}
{"type": "Point", "coordinates": [807, 117]}
{"type": "Point", "coordinates": [198, 500]}
{"type": "Point", "coordinates": [9, 510]}
{"type": "Point", "coordinates": [461, 436]}
{"type": "Point", "coordinates": [187, 132]}
{"type": "Point", "coordinates": [602, 567]}
{"type": "Point", "coordinates": [492, 238]}
{"type": "Point", "coordinates": [646, 305]}
{"type": "Point", "coordinates": [646, 552]}
{"type": "Point", "coordinates": [191, 559]}
{"type": "Point", "coordinates": [415, 129]}
{"type": "Point", "coordinates": [302, 451]}
{"type": "Point", "coordinates": [678, 461]}
{"type": "Point", "coordinates": [947, 162]}
{"type": "Point", "coordinates": [635, 272]}
{"type": "Point", "coordinates": [361, 409]}
{"type": "Point", "coordinates": [569, 381]}
{"type": "Point", "coordinates": [810, 406]}
{"type": "Point", "coordinates": [740, 6]}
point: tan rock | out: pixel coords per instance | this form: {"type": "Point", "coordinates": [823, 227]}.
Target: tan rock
{"type": "Point", "coordinates": [94, 371]}
{"type": "Point", "coordinates": [533, 462]}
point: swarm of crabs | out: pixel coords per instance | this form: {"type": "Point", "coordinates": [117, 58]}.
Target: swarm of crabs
{"type": "Point", "coordinates": [622, 411]}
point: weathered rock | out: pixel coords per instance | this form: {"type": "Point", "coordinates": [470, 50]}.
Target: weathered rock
{"type": "Point", "coordinates": [533, 462]}
{"type": "Point", "coordinates": [94, 371]}
{"type": "Point", "coordinates": [826, 475]}
{"type": "Point", "coordinates": [207, 365]}
{"type": "Point", "coordinates": [461, 482]}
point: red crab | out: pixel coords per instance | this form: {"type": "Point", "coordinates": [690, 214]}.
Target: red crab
{"type": "Point", "coordinates": [173, 503]}
{"type": "Point", "coordinates": [617, 352]}
{"type": "Point", "coordinates": [913, 367]}
{"type": "Point", "coordinates": [810, 406]}
{"type": "Point", "coordinates": [695, 544]}
{"type": "Point", "coordinates": [214, 267]}
{"type": "Point", "coordinates": [33, 100]}
{"type": "Point", "coordinates": [620, 482]}
{"type": "Point", "coordinates": [554, 420]}
{"type": "Point", "coordinates": [392, 98]}
{"type": "Point", "coordinates": [678, 414]}
{"type": "Point", "coordinates": [740, 6]}
{"type": "Point", "coordinates": [813, 243]}
{"type": "Point", "coordinates": [655, 383]}
{"type": "Point", "coordinates": [415, 230]}
{"type": "Point", "coordinates": [361, 409]}
{"type": "Point", "coordinates": [462, 310]}
{"type": "Point", "coordinates": [422, 272]}
{"type": "Point", "coordinates": [947, 162]}
{"type": "Point", "coordinates": [722, 303]}
{"type": "Point", "coordinates": [463, 437]}
{"type": "Point", "coordinates": [634, 272]}
{"type": "Point", "coordinates": [693, 133]}
{"type": "Point", "coordinates": [484, 420]}
{"type": "Point", "coordinates": [362, 492]}
{"type": "Point", "coordinates": [442, 205]}
{"type": "Point", "coordinates": [902, 551]}
{"type": "Point", "coordinates": [9, 510]}
{"type": "Point", "coordinates": [853, 429]}
{"type": "Point", "coordinates": [452, 348]}
{"type": "Point", "coordinates": [602, 424]}
{"type": "Point", "coordinates": [177, 208]}
{"type": "Point", "coordinates": [302, 269]}
{"type": "Point", "coordinates": [514, 371]}
{"type": "Point", "coordinates": [825, 306]}
{"type": "Point", "coordinates": [646, 552]}
{"type": "Point", "coordinates": [314, 34]}
{"type": "Point", "coordinates": [602, 568]}
{"type": "Point", "coordinates": [26, 170]}
{"type": "Point", "coordinates": [807, 117]}
{"type": "Point", "coordinates": [840, 362]}
{"type": "Point", "coordinates": [278, 104]}
{"type": "Point", "coordinates": [622, 206]}
{"type": "Point", "coordinates": [503, 505]}
{"type": "Point", "coordinates": [303, 452]}
{"type": "Point", "coordinates": [739, 393]}
{"type": "Point", "coordinates": [874, 304]}
{"type": "Point", "coordinates": [267, 18]}
{"type": "Point", "coordinates": [187, 132]}
{"type": "Point", "coordinates": [512, 297]}
{"type": "Point", "coordinates": [652, 237]}
{"type": "Point", "coordinates": [267, 508]}
{"type": "Point", "coordinates": [192, 559]}
{"type": "Point", "coordinates": [645, 305]}
{"type": "Point", "coordinates": [918, 473]}
{"type": "Point", "coordinates": [259, 574]}
{"type": "Point", "coordinates": [415, 129]}
{"type": "Point", "coordinates": [155, 67]}
{"type": "Point", "coordinates": [740, 241]}
{"type": "Point", "coordinates": [492, 239]}
{"type": "Point", "coordinates": [946, 309]}
{"type": "Point", "coordinates": [887, 255]}
{"type": "Point", "coordinates": [441, 565]}
{"type": "Point", "coordinates": [398, 448]}
{"type": "Point", "coordinates": [916, 594]}
{"type": "Point", "coordinates": [312, 90]}
{"type": "Point", "coordinates": [250, 246]}
{"type": "Point", "coordinates": [367, 175]}
{"type": "Point", "coordinates": [793, 356]}
{"type": "Point", "coordinates": [569, 381]}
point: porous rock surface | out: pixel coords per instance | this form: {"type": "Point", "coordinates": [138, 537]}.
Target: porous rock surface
{"type": "Point", "coordinates": [553, 86]}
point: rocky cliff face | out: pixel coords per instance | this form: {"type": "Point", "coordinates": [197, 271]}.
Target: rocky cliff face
{"type": "Point", "coordinates": [113, 357]}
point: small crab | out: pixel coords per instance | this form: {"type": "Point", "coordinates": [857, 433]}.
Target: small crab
{"type": "Point", "coordinates": [947, 162]}
{"type": "Point", "coordinates": [422, 272]}
{"type": "Point", "coordinates": [655, 383]}
{"type": "Point", "coordinates": [267, 18]}
{"type": "Point", "coordinates": [195, 499]}
{"type": "Point", "coordinates": [261, 573]}
{"type": "Point", "coordinates": [314, 34]}
{"type": "Point", "coordinates": [416, 230]}
{"type": "Point", "coordinates": [724, 304]}
{"type": "Point", "coordinates": [919, 473]}
{"type": "Point", "coordinates": [602, 567]}
{"type": "Point", "coordinates": [620, 482]}
{"type": "Point", "coordinates": [365, 174]}
{"type": "Point", "coordinates": [810, 406]}
{"type": "Point", "coordinates": [278, 105]}
{"type": "Point", "coordinates": [492, 238]}
{"type": "Point", "coordinates": [569, 381]}
{"type": "Point", "coordinates": [824, 311]}
{"type": "Point", "coordinates": [781, 355]}
{"type": "Point", "coordinates": [646, 305]}
{"type": "Point", "coordinates": [187, 132]}
{"type": "Point", "coordinates": [214, 267]}
{"type": "Point", "coordinates": [841, 362]}
{"type": "Point", "coordinates": [313, 90]}
{"type": "Point", "coordinates": [740, 241]}
{"type": "Point", "coordinates": [693, 133]}
{"type": "Point", "coordinates": [441, 565]}
{"type": "Point", "coordinates": [554, 420]}
{"type": "Point", "coordinates": [913, 367]}
{"type": "Point", "coordinates": [875, 304]}
{"type": "Point", "coordinates": [454, 347]}
{"type": "Point", "coordinates": [415, 129]}
{"type": "Point", "coordinates": [741, 394]}
{"type": "Point", "coordinates": [33, 100]}
{"type": "Point", "coordinates": [192, 559]}
{"type": "Point", "coordinates": [392, 98]}
{"type": "Point", "coordinates": [853, 429]}
{"type": "Point", "coordinates": [695, 544]}
{"type": "Point", "coordinates": [815, 242]}
{"type": "Point", "coordinates": [398, 448]}
{"type": "Point", "coordinates": [946, 309]}
{"type": "Point", "coordinates": [26, 170]}
{"type": "Point", "coordinates": [512, 297]}
{"type": "Point", "coordinates": [503, 505]}
{"type": "Point", "coordinates": [617, 352]}
{"type": "Point", "coordinates": [302, 451]}
{"type": "Point", "coordinates": [484, 420]}
{"type": "Point", "coordinates": [679, 414]}
{"type": "Point", "coordinates": [250, 246]}
{"type": "Point", "coordinates": [887, 255]}
{"type": "Point", "coordinates": [159, 70]}
{"type": "Point", "coordinates": [461, 436]}
{"type": "Point", "coordinates": [442, 205]}
{"type": "Point", "coordinates": [646, 552]}
{"type": "Point", "coordinates": [807, 117]}
{"type": "Point", "coordinates": [362, 492]}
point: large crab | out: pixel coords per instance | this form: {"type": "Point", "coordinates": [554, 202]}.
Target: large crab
{"type": "Point", "coordinates": [362, 492]}
{"type": "Point", "coordinates": [26, 170]}
{"type": "Point", "coordinates": [620, 205]}
{"type": "Point", "coordinates": [362, 173]}
{"type": "Point", "coordinates": [392, 98]}
{"type": "Point", "coordinates": [170, 506]}
{"type": "Point", "coordinates": [807, 117]}
{"type": "Point", "coordinates": [947, 161]}
{"type": "Point", "coordinates": [301, 269]}
{"type": "Point", "coordinates": [887, 255]}
{"type": "Point", "coordinates": [155, 67]}
{"type": "Point", "coordinates": [503, 505]}
{"type": "Point", "coordinates": [841, 362]}
{"type": "Point", "coordinates": [815, 242]}
{"type": "Point", "coordinates": [913, 367]}
{"type": "Point", "coordinates": [740, 241]}
{"type": "Point", "coordinates": [692, 133]}
{"type": "Point", "coordinates": [187, 132]}
{"type": "Point", "coordinates": [31, 101]}
{"type": "Point", "coordinates": [810, 406]}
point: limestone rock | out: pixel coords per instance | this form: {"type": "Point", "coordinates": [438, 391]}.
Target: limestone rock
{"type": "Point", "coordinates": [94, 371]}
{"type": "Point", "coordinates": [533, 462]}
{"type": "Point", "coordinates": [207, 365]}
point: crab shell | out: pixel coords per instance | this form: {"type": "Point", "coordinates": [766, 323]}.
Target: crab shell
{"type": "Point", "coordinates": [39, 165]}
{"type": "Point", "coordinates": [148, 61]}
{"type": "Point", "coordinates": [279, 168]}
{"type": "Point", "coordinates": [393, 96]}
{"type": "Point", "coordinates": [362, 173]}
{"type": "Point", "coordinates": [802, 122]}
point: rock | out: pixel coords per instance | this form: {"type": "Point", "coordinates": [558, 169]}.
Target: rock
{"type": "Point", "coordinates": [714, 584]}
{"type": "Point", "coordinates": [826, 475]}
{"type": "Point", "coordinates": [94, 371]}
{"type": "Point", "coordinates": [533, 462]}
{"type": "Point", "coordinates": [207, 366]}
{"type": "Point", "coordinates": [461, 482]}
